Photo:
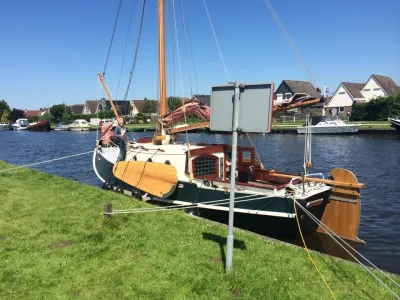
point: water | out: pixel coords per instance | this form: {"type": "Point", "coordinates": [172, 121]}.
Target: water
{"type": "Point", "coordinates": [374, 159]}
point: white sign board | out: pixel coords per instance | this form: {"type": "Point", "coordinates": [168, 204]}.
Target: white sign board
{"type": "Point", "coordinates": [255, 107]}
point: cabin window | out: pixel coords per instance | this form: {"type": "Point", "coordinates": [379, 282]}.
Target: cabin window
{"type": "Point", "coordinates": [246, 156]}
{"type": "Point", "coordinates": [342, 93]}
{"type": "Point", "coordinates": [149, 160]}
{"type": "Point", "coordinates": [167, 162]}
{"type": "Point", "coordinates": [341, 109]}
{"type": "Point", "coordinates": [134, 158]}
{"type": "Point", "coordinates": [205, 166]}
{"type": "Point", "coordinates": [377, 89]}
{"type": "Point", "coordinates": [367, 90]}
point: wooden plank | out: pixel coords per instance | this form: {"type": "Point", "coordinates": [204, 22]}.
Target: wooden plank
{"type": "Point", "coordinates": [154, 178]}
{"type": "Point", "coordinates": [345, 191]}
{"type": "Point", "coordinates": [319, 180]}
{"type": "Point", "coordinates": [190, 127]}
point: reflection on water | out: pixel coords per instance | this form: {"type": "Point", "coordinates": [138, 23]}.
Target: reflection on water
{"type": "Point", "coordinates": [374, 159]}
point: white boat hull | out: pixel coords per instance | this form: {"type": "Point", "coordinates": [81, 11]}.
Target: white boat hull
{"type": "Point", "coordinates": [330, 129]}
{"type": "Point", "coordinates": [79, 129]}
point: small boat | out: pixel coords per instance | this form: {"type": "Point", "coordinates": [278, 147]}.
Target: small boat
{"type": "Point", "coordinates": [39, 126]}
{"type": "Point", "coordinates": [79, 125]}
{"type": "Point", "coordinates": [60, 127]}
{"type": "Point", "coordinates": [20, 124]}
{"type": "Point", "coordinates": [326, 126]}
{"type": "Point", "coordinates": [4, 126]}
{"type": "Point", "coordinates": [395, 123]}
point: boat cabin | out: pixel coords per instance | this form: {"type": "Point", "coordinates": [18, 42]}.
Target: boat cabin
{"type": "Point", "coordinates": [213, 163]}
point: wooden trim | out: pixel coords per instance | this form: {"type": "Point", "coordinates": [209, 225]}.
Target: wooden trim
{"type": "Point", "coordinates": [207, 150]}
{"type": "Point", "coordinates": [190, 127]}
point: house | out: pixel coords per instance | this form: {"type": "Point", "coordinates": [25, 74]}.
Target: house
{"type": "Point", "coordinates": [204, 99]}
{"type": "Point", "coordinates": [77, 109]}
{"type": "Point", "coordinates": [123, 106]}
{"type": "Point", "coordinates": [348, 92]}
{"type": "Point", "coordinates": [288, 88]}
{"type": "Point", "coordinates": [35, 113]}
{"type": "Point", "coordinates": [91, 107]}
{"type": "Point", "coordinates": [378, 85]}
{"type": "Point", "coordinates": [342, 100]}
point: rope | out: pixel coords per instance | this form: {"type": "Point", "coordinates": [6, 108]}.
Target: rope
{"type": "Point", "coordinates": [329, 231]}
{"type": "Point", "coordinates": [255, 149]}
{"type": "Point", "coordinates": [183, 107]}
{"type": "Point", "coordinates": [136, 51]}
{"type": "Point", "coordinates": [179, 207]}
{"type": "Point", "coordinates": [291, 43]}
{"type": "Point", "coordinates": [126, 45]}
{"type": "Point", "coordinates": [186, 48]}
{"type": "Point", "coordinates": [216, 40]}
{"type": "Point", "coordinates": [112, 38]}
{"type": "Point", "coordinates": [305, 247]}
{"type": "Point", "coordinates": [46, 161]}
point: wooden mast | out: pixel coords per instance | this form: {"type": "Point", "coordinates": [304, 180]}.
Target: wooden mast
{"type": "Point", "coordinates": [161, 56]}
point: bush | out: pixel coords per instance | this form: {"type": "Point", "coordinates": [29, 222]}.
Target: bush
{"type": "Point", "coordinates": [378, 109]}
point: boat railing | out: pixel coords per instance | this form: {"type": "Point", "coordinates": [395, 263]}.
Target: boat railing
{"type": "Point", "coordinates": [316, 174]}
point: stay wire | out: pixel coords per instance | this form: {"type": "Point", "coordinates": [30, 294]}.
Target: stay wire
{"type": "Point", "coordinates": [112, 38]}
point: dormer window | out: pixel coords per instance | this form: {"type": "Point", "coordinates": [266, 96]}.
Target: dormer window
{"type": "Point", "coordinates": [367, 90]}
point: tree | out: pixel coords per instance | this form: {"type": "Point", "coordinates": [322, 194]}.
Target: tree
{"type": "Point", "coordinates": [4, 106]}
{"type": "Point", "coordinates": [173, 102]}
{"type": "Point", "coordinates": [5, 117]}
{"type": "Point", "coordinates": [149, 107]}
{"type": "Point", "coordinates": [66, 118]}
{"type": "Point", "coordinates": [58, 110]}
{"type": "Point", "coordinates": [16, 114]}
{"type": "Point", "coordinates": [47, 117]}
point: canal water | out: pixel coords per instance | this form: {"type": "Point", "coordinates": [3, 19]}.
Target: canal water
{"type": "Point", "coordinates": [374, 159]}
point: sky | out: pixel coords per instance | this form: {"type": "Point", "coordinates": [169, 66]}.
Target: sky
{"type": "Point", "coordinates": [51, 51]}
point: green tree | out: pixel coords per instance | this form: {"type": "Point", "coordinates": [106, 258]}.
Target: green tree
{"type": "Point", "coordinates": [4, 106]}
{"type": "Point", "coordinates": [149, 107]}
{"type": "Point", "coordinates": [173, 102]}
{"type": "Point", "coordinates": [47, 117]}
{"type": "Point", "coordinates": [16, 114]}
{"type": "Point", "coordinates": [5, 117]}
{"type": "Point", "coordinates": [66, 118]}
{"type": "Point", "coordinates": [58, 110]}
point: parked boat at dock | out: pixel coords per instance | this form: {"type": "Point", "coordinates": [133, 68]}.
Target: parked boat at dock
{"type": "Point", "coordinates": [60, 127]}
{"type": "Point", "coordinates": [5, 126]}
{"type": "Point", "coordinates": [20, 124]}
{"type": "Point", "coordinates": [395, 123]}
{"type": "Point", "coordinates": [198, 175]}
{"type": "Point", "coordinates": [79, 125]}
{"type": "Point", "coordinates": [39, 126]}
{"type": "Point", "coordinates": [326, 126]}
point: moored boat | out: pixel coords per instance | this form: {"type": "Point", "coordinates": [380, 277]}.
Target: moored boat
{"type": "Point", "coordinates": [79, 125]}
{"type": "Point", "coordinates": [395, 123]}
{"type": "Point", "coordinates": [39, 126]}
{"type": "Point", "coordinates": [197, 176]}
{"type": "Point", "coordinates": [326, 126]}
{"type": "Point", "coordinates": [20, 124]}
{"type": "Point", "coordinates": [60, 127]}
{"type": "Point", "coordinates": [5, 126]}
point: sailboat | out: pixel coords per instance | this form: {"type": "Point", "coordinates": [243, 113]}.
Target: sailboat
{"type": "Point", "coordinates": [158, 170]}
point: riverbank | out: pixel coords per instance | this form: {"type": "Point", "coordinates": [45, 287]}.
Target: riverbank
{"type": "Point", "coordinates": [56, 243]}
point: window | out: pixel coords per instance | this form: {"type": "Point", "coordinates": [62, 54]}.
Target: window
{"type": "Point", "coordinates": [288, 95]}
{"type": "Point", "coordinates": [149, 160]}
{"type": "Point", "coordinates": [377, 89]}
{"type": "Point", "coordinates": [367, 90]}
{"type": "Point", "coordinates": [341, 109]}
{"type": "Point", "coordinates": [205, 166]}
{"type": "Point", "coordinates": [342, 93]}
{"type": "Point", "coordinates": [246, 156]}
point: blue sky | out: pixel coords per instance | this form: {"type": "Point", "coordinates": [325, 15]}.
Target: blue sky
{"type": "Point", "coordinates": [51, 51]}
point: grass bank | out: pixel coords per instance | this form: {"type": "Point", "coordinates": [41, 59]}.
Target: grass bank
{"type": "Point", "coordinates": [55, 243]}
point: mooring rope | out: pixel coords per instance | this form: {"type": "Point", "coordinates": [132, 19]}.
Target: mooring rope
{"type": "Point", "coordinates": [305, 247]}
{"type": "Point", "coordinates": [329, 231]}
{"type": "Point", "coordinates": [46, 161]}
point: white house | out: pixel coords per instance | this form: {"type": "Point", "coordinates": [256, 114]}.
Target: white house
{"type": "Point", "coordinates": [379, 86]}
{"type": "Point", "coordinates": [342, 100]}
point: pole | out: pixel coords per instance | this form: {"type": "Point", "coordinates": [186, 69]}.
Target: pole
{"type": "Point", "coordinates": [229, 243]}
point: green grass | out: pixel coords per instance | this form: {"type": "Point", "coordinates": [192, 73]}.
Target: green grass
{"type": "Point", "coordinates": [55, 244]}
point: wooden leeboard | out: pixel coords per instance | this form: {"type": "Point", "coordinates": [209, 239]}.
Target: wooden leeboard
{"type": "Point", "coordinates": [156, 179]}
{"type": "Point", "coordinates": [342, 214]}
